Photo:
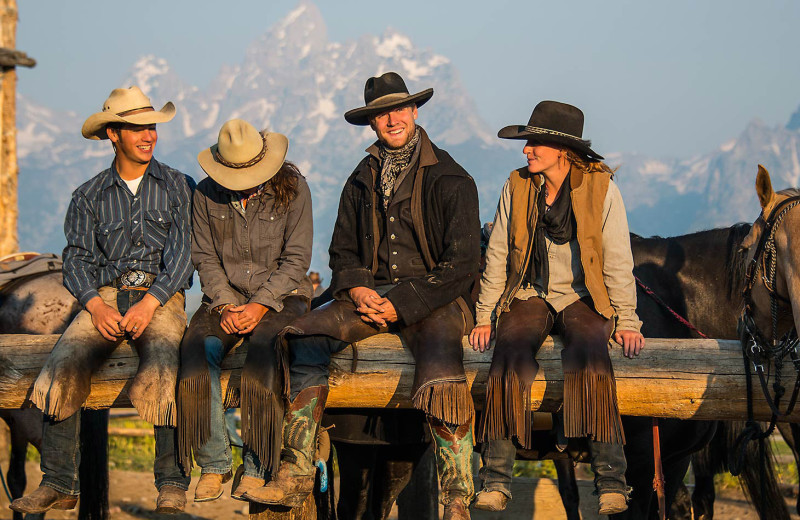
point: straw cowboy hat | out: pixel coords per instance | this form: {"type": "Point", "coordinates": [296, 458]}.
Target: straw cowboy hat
{"type": "Point", "coordinates": [385, 93]}
{"type": "Point", "coordinates": [554, 123]}
{"type": "Point", "coordinates": [242, 157]}
{"type": "Point", "coordinates": [126, 105]}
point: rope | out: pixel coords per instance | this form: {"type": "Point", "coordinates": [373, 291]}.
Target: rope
{"type": "Point", "coordinates": [648, 291]}
{"type": "Point", "coordinates": [5, 487]}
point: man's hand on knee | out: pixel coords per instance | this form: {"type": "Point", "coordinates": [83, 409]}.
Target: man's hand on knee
{"type": "Point", "coordinates": [105, 318]}
{"type": "Point", "coordinates": [139, 315]}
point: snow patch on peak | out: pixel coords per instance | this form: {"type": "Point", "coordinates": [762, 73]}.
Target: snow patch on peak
{"type": "Point", "coordinates": [294, 15]}
{"type": "Point", "coordinates": [147, 68]}
{"type": "Point", "coordinates": [393, 45]}
{"type": "Point", "coordinates": [727, 147]}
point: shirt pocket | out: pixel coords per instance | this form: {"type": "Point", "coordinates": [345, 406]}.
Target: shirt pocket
{"type": "Point", "coordinates": [217, 220]}
{"type": "Point", "coordinates": [271, 224]}
{"type": "Point", "coordinates": [157, 224]}
{"type": "Point", "coordinates": [110, 238]}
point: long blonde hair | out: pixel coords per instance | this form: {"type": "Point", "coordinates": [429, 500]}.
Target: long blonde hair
{"type": "Point", "coordinates": [588, 166]}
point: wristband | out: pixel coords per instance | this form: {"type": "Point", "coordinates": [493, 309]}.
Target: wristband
{"type": "Point", "coordinates": [222, 307]}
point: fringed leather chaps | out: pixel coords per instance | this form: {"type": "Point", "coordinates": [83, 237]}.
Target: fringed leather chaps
{"type": "Point", "coordinates": [259, 394]}
{"type": "Point", "coordinates": [590, 397]}
{"type": "Point", "coordinates": [440, 384]}
{"type": "Point", "coordinates": [65, 380]}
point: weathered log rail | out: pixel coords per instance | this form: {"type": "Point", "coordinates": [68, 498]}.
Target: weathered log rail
{"type": "Point", "coordinates": [685, 379]}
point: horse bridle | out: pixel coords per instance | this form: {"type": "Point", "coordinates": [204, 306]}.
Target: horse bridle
{"type": "Point", "coordinates": [757, 350]}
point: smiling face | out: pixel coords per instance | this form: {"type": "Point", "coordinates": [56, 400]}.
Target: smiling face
{"type": "Point", "coordinates": [134, 144]}
{"type": "Point", "coordinates": [396, 127]}
{"type": "Point", "coordinates": [541, 158]}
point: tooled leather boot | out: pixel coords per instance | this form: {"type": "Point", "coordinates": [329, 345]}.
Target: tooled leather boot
{"type": "Point", "coordinates": [454, 465]}
{"type": "Point", "coordinates": [295, 477]}
{"type": "Point", "coordinates": [43, 499]}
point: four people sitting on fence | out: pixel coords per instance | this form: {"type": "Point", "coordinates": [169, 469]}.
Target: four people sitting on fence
{"type": "Point", "coordinates": [404, 256]}
{"type": "Point", "coordinates": [559, 261]}
{"type": "Point", "coordinates": [128, 262]}
{"type": "Point", "coordinates": [251, 245]}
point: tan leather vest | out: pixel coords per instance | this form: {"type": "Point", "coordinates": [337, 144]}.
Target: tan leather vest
{"type": "Point", "coordinates": [588, 197]}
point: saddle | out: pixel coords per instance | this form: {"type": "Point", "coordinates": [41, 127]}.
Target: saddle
{"type": "Point", "coordinates": [17, 266]}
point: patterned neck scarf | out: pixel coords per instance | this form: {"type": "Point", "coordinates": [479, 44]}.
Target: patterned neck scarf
{"type": "Point", "coordinates": [392, 163]}
{"type": "Point", "coordinates": [240, 198]}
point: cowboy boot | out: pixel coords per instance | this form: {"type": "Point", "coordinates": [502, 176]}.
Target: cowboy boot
{"type": "Point", "coordinates": [295, 477]}
{"type": "Point", "coordinates": [454, 465]}
{"type": "Point", "coordinates": [43, 499]}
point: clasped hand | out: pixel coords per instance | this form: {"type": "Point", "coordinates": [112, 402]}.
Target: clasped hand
{"type": "Point", "coordinates": [242, 319]}
{"type": "Point", "coordinates": [112, 325]}
{"type": "Point", "coordinates": [372, 307]}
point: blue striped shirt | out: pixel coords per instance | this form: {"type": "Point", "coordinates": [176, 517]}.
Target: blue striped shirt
{"type": "Point", "coordinates": [110, 231]}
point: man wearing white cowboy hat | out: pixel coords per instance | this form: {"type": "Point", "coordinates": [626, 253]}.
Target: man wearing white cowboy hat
{"type": "Point", "coordinates": [251, 244]}
{"type": "Point", "coordinates": [404, 255]}
{"type": "Point", "coordinates": [127, 262]}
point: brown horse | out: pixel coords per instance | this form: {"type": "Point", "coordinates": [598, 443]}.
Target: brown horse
{"type": "Point", "coordinates": [39, 304]}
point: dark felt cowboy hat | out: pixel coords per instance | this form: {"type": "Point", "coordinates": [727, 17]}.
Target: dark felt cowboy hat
{"type": "Point", "coordinates": [554, 123]}
{"type": "Point", "coordinates": [385, 93]}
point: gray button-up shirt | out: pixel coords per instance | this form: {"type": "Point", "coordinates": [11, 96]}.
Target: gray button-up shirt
{"type": "Point", "coordinates": [261, 255]}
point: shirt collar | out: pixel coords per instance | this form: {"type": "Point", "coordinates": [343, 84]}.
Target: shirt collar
{"type": "Point", "coordinates": [112, 176]}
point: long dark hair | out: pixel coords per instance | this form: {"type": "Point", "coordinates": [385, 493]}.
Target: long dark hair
{"type": "Point", "coordinates": [284, 186]}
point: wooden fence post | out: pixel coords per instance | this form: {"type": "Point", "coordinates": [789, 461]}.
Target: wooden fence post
{"type": "Point", "coordinates": [9, 59]}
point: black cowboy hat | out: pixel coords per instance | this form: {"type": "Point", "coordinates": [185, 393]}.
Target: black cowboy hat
{"type": "Point", "coordinates": [385, 93]}
{"type": "Point", "coordinates": [554, 123]}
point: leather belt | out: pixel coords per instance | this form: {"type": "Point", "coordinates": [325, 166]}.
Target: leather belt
{"type": "Point", "coordinates": [134, 280]}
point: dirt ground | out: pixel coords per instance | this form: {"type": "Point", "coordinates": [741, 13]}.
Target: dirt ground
{"type": "Point", "coordinates": [133, 498]}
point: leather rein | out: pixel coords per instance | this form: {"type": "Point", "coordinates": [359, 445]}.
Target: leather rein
{"type": "Point", "coordinates": [757, 350]}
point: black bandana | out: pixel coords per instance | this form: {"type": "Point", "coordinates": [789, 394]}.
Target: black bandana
{"type": "Point", "coordinates": [558, 222]}
{"type": "Point", "coordinates": [392, 163]}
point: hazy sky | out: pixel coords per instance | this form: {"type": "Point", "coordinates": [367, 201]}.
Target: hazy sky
{"type": "Point", "coordinates": [668, 78]}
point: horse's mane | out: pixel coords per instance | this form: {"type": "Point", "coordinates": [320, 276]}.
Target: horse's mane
{"type": "Point", "coordinates": [736, 262]}
{"type": "Point", "coordinates": [789, 192]}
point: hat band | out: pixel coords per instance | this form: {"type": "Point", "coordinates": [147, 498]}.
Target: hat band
{"type": "Point", "coordinates": [388, 98]}
{"type": "Point", "coordinates": [246, 164]}
{"type": "Point", "coordinates": [546, 131]}
{"type": "Point", "coordinates": [134, 111]}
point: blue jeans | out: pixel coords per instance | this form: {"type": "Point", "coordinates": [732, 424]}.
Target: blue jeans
{"type": "Point", "coordinates": [497, 469]}
{"type": "Point", "coordinates": [61, 456]}
{"type": "Point", "coordinates": [215, 455]}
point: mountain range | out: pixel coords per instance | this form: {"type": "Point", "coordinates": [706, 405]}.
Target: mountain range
{"type": "Point", "coordinates": [295, 81]}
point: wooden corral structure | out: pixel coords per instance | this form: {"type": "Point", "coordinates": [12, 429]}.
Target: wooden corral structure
{"type": "Point", "coordinates": [10, 58]}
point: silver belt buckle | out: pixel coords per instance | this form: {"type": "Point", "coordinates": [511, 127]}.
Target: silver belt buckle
{"type": "Point", "coordinates": [133, 278]}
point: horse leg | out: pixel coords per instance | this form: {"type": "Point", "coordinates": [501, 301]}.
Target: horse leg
{"type": "Point", "coordinates": [674, 471]}
{"type": "Point", "coordinates": [394, 466]}
{"type": "Point", "coordinates": [356, 462]}
{"type": "Point", "coordinates": [705, 464]}
{"type": "Point", "coordinates": [568, 488]}
{"type": "Point", "coordinates": [681, 505]}
{"type": "Point", "coordinates": [94, 465]}
{"type": "Point", "coordinates": [420, 498]}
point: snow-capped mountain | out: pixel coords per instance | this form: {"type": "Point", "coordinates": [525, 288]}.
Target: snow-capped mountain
{"type": "Point", "coordinates": [295, 81]}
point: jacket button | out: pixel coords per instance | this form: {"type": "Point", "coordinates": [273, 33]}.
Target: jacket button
{"type": "Point", "coordinates": [368, 236]}
{"type": "Point", "coordinates": [391, 219]}
{"type": "Point", "coordinates": [368, 205]}
{"type": "Point", "coordinates": [394, 266]}
{"type": "Point", "coordinates": [392, 236]}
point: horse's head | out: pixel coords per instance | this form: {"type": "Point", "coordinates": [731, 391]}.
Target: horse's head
{"type": "Point", "coordinates": [777, 267]}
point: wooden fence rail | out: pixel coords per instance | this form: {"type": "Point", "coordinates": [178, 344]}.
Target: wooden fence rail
{"type": "Point", "coordinates": [685, 379]}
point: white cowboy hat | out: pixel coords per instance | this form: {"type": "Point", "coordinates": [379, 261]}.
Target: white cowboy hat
{"type": "Point", "coordinates": [243, 158]}
{"type": "Point", "coordinates": [125, 105]}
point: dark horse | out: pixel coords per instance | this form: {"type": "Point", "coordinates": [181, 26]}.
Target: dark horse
{"type": "Point", "coordinates": [39, 304]}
